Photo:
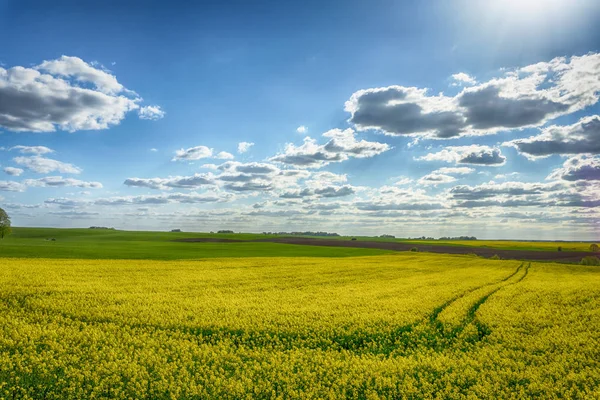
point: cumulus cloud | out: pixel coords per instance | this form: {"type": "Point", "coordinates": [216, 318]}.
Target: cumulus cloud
{"type": "Point", "coordinates": [67, 93]}
{"type": "Point", "coordinates": [74, 67]}
{"type": "Point", "coordinates": [319, 192]}
{"type": "Point", "coordinates": [59, 181]}
{"type": "Point", "coordinates": [49, 181]}
{"type": "Point", "coordinates": [493, 189]}
{"type": "Point", "coordinates": [11, 186]}
{"type": "Point", "coordinates": [244, 147]}
{"type": "Point", "coordinates": [209, 166]}
{"type": "Point", "coordinates": [37, 150]}
{"type": "Point", "coordinates": [326, 177]}
{"type": "Point", "coordinates": [232, 176]}
{"type": "Point", "coordinates": [473, 154]}
{"type": "Point", "coordinates": [257, 177]}
{"type": "Point", "coordinates": [223, 155]}
{"type": "Point", "coordinates": [397, 206]}
{"type": "Point", "coordinates": [193, 153]}
{"type": "Point", "coordinates": [151, 112]}
{"type": "Point", "coordinates": [187, 182]}
{"type": "Point", "coordinates": [13, 171]}
{"type": "Point", "coordinates": [341, 146]}
{"type": "Point", "coordinates": [455, 170]}
{"type": "Point", "coordinates": [302, 129]}
{"type": "Point", "coordinates": [187, 198]}
{"type": "Point", "coordinates": [297, 194]}
{"type": "Point", "coordinates": [200, 152]}
{"type": "Point", "coordinates": [583, 137]}
{"type": "Point", "coordinates": [578, 168]}
{"type": "Point", "coordinates": [402, 180]}
{"type": "Point", "coordinates": [398, 110]}
{"type": "Point", "coordinates": [43, 165]}
{"type": "Point", "coordinates": [75, 214]}
{"type": "Point", "coordinates": [436, 179]}
{"type": "Point", "coordinates": [65, 203]}
{"type": "Point", "coordinates": [332, 191]}
{"type": "Point", "coordinates": [526, 97]}
{"type": "Point", "coordinates": [463, 79]}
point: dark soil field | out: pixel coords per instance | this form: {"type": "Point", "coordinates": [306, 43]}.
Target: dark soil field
{"type": "Point", "coordinates": [565, 256]}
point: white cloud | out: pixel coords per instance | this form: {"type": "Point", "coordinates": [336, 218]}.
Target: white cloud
{"type": "Point", "coordinates": [402, 180]}
{"type": "Point", "coordinates": [462, 78]}
{"type": "Point", "coordinates": [11, 186]}
{"type": "Point", "coordinates": [188, 182]}
{"type": "Point", "coordinates": [527, 97]}
{"type": "Point", "coordinates": [185, 198]}
{"type": "Point", "coordinates": [473, 154]}
{"type": "Point", "coordinates": [151, 112]}
{"type": "Point", "coordinates": [37, 150]}
{"type": "Point", "coordinates": [13, 171]}
{"type": "Point", "coordinates": [582, 137]}
{"type": "Point", "coordinates": [154, 150]}
{"type": "Point", "coordinates": [578, 168]}
{"type": "Point", "coordinates": [193, 153]}
{"type": "Point", "coordinates": [74, 67]}
{"type": "Point", "coordinates": [341, 146]}
{"type": "Point", "coordinates": [209, 166]}
{"type": "Point", "coordinates": [327, 178]}
{"type": "Point", "coordinates": [455, 170]}
{"type": "Point", "coordinates": [44, 165]}
{"type": "Point", "coordinates": [506, 176]}
{"type": "Point", "coordinates": [436, 179]}
{"type": "Point", "coordinates": [223, 155]}
{"type": "Point", "coordinates": [67, 93]}
{"type": "Point", "coordinates": [49, 181]}
{"type": "Point", "coordinates": [302, 129]}
{"type": "Point", "coordinates": [59, 181]}
{"type": "Point", "coordinates": [244, 147]}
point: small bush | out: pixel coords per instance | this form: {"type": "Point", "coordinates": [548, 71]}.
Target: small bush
{"type": "Point", "coordinates": [353, 239]}
{"type": "Point", "coordinates": [594, 247]}
{"type": "Point", "coordinates": [559, 248]}
{"type": "Point", "coordinates": [495, 257]}
{"type": "Point", "coordinates": [590, 260]}
{"type": "Point", "coordinates": [414, 249]}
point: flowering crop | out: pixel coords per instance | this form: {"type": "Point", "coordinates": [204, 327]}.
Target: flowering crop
{"type": "Point", "coordinates": [402, 326]}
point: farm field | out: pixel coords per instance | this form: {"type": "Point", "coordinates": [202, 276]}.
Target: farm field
{"type": "Point", "coordinates": [407, 325]}
{"type": "Point", "coordinates": [510, 244]}
{"type": "Point", "coordinates": [114, 244]}
{"type": "Point", "coordinates": [493, 244]}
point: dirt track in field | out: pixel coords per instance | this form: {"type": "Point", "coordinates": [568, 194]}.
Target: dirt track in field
{"type": "Point", "coordinates": [565, 256]}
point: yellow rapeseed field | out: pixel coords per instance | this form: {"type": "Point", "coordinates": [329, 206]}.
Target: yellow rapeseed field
{"type": "Point", "coordinates": [400, 326]}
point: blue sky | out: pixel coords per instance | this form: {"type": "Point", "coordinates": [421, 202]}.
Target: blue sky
{"type": "Point", "coordinates": [433, 118]}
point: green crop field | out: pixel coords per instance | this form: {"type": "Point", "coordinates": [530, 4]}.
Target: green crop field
{"type": "Point", "coordinates": [408, 325]}
{"type": "Point", "coordinates": [113, 244]}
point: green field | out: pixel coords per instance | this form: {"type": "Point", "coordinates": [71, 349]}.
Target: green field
{"type": "Point", "coordinates": [406, 326]}
{"type": "Point", "coordinates": [493, 244]}
{"type": "Point", "coordinates": [113, 244]}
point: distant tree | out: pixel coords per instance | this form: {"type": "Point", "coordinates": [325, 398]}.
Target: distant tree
{"type": "Point", "coordinates": [590, 260]}
{"type": "Point", "coordinates": [594, 247]}
{"type": "Point", "coordinates": [559, 248]}
{"type": "Point", "coordinates": [4, 224]}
